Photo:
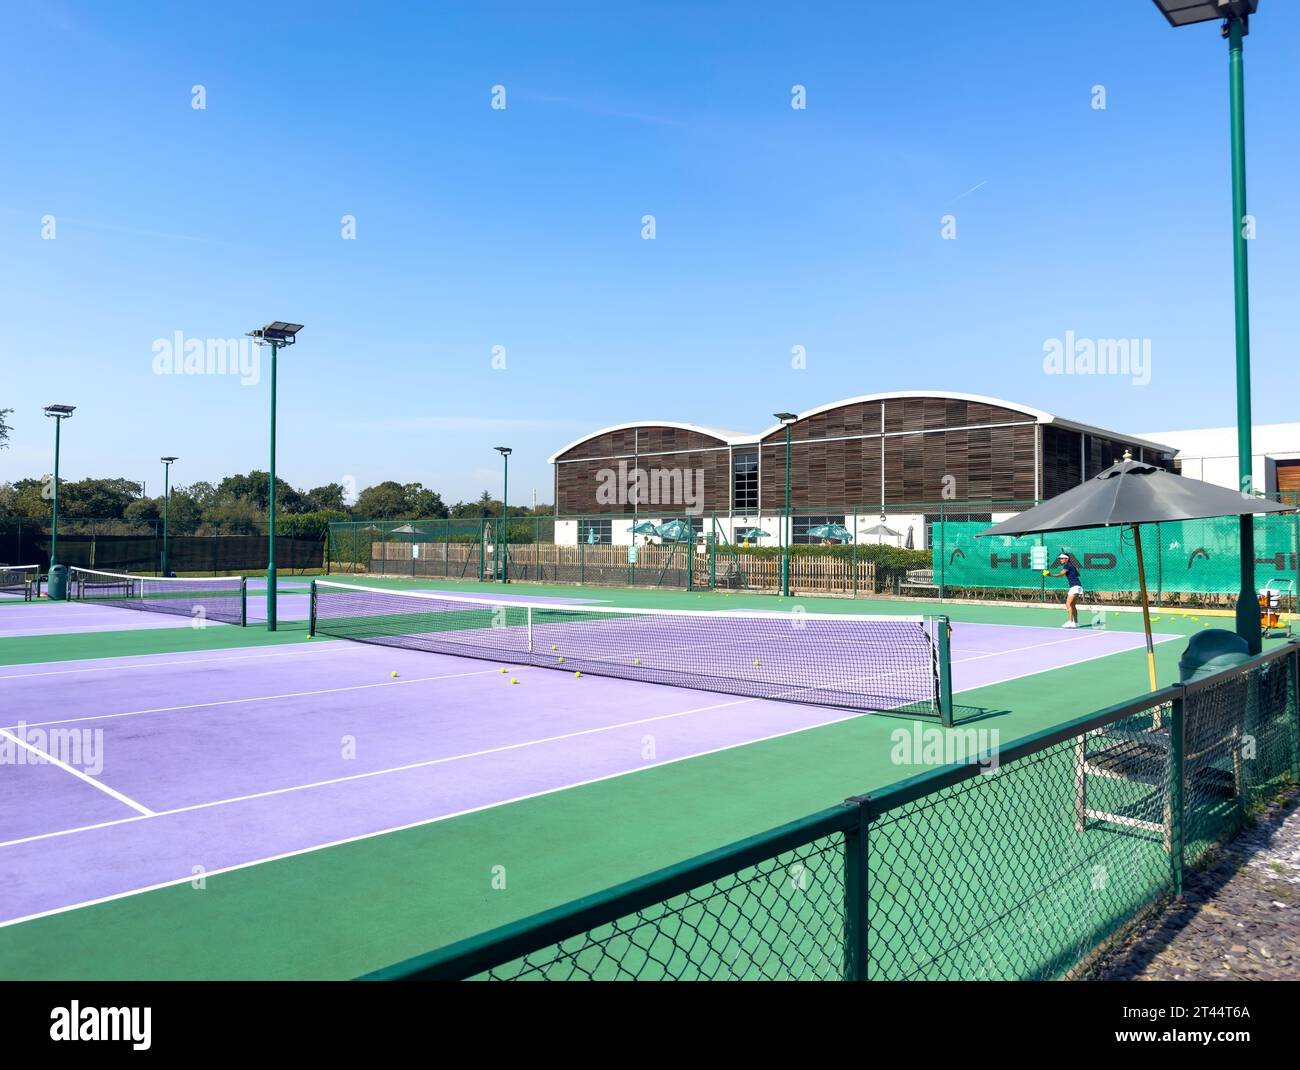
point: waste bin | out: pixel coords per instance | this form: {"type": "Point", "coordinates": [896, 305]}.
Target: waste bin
{"type": "Point", "coordinates": [1211, 651]}
{"type": "Point", "coordinates": [56, 585]}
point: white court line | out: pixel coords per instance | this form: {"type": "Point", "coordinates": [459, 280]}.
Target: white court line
{"type": "Point", "coordinates": [293, 652]}
{"type": "Point", "coordinates": [1035, 646]}
{"type": "Point", "coordinates": [188, 878]}
{"type": "Point", "coordinates": [259, 698]}
{"type": "Point", "coordinates": [47, 757]}
{"type": "Point", "coordinates": [848, 715]}
{"type": "Point", "coordinates": [445, 760]}
{"type": "Point", "coordinates": [1052, 668]}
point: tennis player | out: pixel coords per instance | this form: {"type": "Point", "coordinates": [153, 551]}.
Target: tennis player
{"type": "Point", "coordinates": [1071, 573]}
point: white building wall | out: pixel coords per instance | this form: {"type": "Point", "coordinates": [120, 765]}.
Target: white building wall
{"type": "Point", "coordinates": [1210, 453]}
{"type": "Point", "coordinates": [566, 532]}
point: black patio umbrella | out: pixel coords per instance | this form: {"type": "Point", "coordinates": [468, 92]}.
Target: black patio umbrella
{"type": "Point", "coordinates": [1133, 492]}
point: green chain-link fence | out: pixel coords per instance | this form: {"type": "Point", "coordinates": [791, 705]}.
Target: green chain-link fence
{"type": "Point", "coordinates": [1020, 867]}
{"type": "Point", "coordinates": [911, 550]}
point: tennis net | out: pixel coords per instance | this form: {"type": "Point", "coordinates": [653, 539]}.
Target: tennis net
{"type": "Point", "coordinates": [869, 663]}
{"type": "Point", "coordinates": [19, 580]}
{"type": "Point", "coordinates": [221, 598]}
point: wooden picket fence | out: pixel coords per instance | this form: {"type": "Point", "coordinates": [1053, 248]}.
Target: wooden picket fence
{"type": "Point", "coordinates": [608, 566]}
{"type": "Point", "coordinates": [809, 573]}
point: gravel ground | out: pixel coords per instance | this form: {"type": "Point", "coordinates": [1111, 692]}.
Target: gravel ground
{"type": "Point", "coordinates": [1239, 918]}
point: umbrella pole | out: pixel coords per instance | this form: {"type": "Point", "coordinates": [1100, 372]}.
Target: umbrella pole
{"type": "Point", "coordinates": [1146, 609]}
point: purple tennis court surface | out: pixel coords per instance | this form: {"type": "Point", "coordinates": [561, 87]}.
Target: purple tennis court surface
{"type": "Point", "coordinates": [174, 764]}
{"type": "Point", "coordinates": [63, 618]}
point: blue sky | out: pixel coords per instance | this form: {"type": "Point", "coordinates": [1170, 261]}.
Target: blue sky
{"type": "Point", "coordinates": [479, 228]}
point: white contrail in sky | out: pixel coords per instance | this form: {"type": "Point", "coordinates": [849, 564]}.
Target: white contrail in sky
{"type": "Point", "coordinates": [969, 192]}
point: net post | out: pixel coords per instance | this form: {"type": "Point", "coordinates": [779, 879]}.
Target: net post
{"type": "Point", "coordinates": [311, 614]}
{"type": "Point", "coordinates": [1175, 789]}
{"type": "Point", "coordinates": [943, 637]}
{"type": "Point", "coordinates": [243, 601]}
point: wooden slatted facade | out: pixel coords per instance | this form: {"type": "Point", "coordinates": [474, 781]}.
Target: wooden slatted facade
{"type": "Point", "coordinates": [580, 472]}
{"type": "Point", "coordinates": [876, 452]}
{"type": "Point", "coordinates": [927, 449]}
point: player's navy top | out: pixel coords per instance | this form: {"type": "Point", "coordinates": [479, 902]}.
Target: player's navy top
{"type": "Point", "coordinates": [1072, 574]}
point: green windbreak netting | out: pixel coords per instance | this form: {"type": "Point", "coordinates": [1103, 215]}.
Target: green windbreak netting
{"type": "Point", "coordinates": [1189, 556]}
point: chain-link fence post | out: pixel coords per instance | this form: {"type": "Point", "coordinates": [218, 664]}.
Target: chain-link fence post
{"type": "Point", "coordinates": [855, 896]}
{"type": "Point", "coordinates": [1176, 816]}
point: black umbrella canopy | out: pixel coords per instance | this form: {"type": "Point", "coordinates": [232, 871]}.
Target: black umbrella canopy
{"type": "Point", "coordinates": [1132, 492]}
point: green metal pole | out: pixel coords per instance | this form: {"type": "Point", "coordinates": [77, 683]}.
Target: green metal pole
{"type": "Point", "coordinates": [854, 553]}
{"type": "Point", "coordinates": [943, 550]}
{"type": "Point", "coordinates": [1247, 605]}
{"type": "Point", "coordinates": [270, 561]}
{"type": "Point", "coordinates": [855, 898]}
{"type": "Point", "coordinates": [54, 525]}
{"type": "Point", "coordinates": [505, 519]}
{"type": "Point", "coordinates": [167, 485]}
{"type": "Point", "coordinates": [943, 637]}
{"type": "Point", "coordinates": [785, 557]}
{"type": "Point", "coordinates": [1176, 809]}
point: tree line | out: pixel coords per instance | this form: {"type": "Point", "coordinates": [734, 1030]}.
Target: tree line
{"type": "Point", "coordinates": [237, 505]}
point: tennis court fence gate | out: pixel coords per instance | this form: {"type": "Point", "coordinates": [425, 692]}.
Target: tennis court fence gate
{"type": "Point", "coordinates": [964, 872]}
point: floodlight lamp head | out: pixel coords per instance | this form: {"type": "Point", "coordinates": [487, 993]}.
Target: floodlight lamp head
{"type": "Point", "coordinates": [786, 417]}
{"type": "Point", "coordinates": [505, 451]}
{"type": "Point", "coordinates": [168, 460]}
{"type": "Point", "coordinates": [1191, 12]}
{"type": "Point", "coordinates": [277, 333]}
{"type": "Point", "coordinates": [59, 412]}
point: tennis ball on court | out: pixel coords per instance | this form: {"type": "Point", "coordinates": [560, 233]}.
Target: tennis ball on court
{"type": "Point", "coordinates": [513, 680]}
{"type": "Point", "coordinates": [554, 647]}
{"type": "Point", "coordinates": [503, 670]}
{"type": "Point", "coordinates": [576, 675]}
{"type": "Point", "coordinates": [756, 665]}
{"type": "Point", "coordinates": [561, 661]}
{"type": "Point", "coordinates": [394, 672]}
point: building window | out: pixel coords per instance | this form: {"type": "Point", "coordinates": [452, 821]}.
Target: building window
{"type": "Point", "coordinates": [744, 483]}
{"type": "Point", "coordinates": [595, 532]}
{"type": "Point", "coordinates": [803, 523]}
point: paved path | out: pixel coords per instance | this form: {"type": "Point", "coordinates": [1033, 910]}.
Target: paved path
{"type": "Point", "coordinates": [1239, 918]}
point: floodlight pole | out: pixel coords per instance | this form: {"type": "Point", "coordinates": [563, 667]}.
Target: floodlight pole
{"type": "Point", "coordinates": [275, 335]}
{"type": "Point", "coordinates": [167, 493]}
{"type": "Point", "coordinates": [271, 622]}
{"type": "Point", "coordinates": [785, 561]}
{"type": "Point", "coordinates": [54, 522]}
{"type": "Point", "coordinates": [503, 542]}
{"type": "Point", "coordinates": [1247, 601]}
{"type": "Point", "coordinates": [58, 413]}
{"type": "Point", "coordinates": [787, 418]}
